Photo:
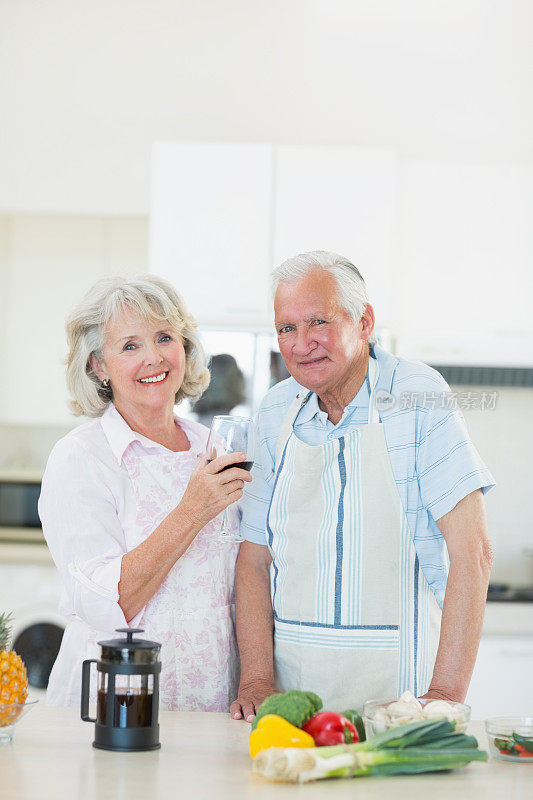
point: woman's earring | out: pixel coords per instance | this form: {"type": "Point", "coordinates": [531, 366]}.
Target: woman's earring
{"type": "Point", "coordinates": [105, 384]}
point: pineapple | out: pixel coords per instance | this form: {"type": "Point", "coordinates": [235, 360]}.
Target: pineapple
{"type": "Point", "coordinates": [13, 678]}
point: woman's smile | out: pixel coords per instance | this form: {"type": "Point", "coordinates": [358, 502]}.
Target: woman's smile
{"type": "Point", "coordinates": [151, 379]}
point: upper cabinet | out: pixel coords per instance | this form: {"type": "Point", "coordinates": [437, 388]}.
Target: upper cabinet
{"type": "Point", "coordinates": [464, 253]}
{"type": "Point", "coordinates": [210, 228]}
{"type": "Point", "coordinates": [340, 199]}
{"type": "Point", "coordinates": [445, 248]}
{"type": "Point", "coordinates": [223, 215]}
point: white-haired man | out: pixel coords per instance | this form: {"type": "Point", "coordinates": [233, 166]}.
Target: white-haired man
{"type": "Point", "coordinates": [366, 558]}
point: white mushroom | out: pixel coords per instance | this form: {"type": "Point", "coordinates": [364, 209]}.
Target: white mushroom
{"type": "Point", "coordinates": [409, 709]}
{"type": "Point", "coordinates": [438, 708]}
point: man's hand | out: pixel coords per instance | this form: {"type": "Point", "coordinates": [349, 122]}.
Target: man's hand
{"type": "Point", "coordinates": [250, 697]}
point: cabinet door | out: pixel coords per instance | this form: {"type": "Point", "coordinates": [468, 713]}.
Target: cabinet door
{"type": "Point", "coordinates": [464, 239]}
{"type": "Point", "coordinates": [210, 228]}
{"type": "Point", "coordinates": [340, 199]}
{"type": "Point", "coordinates": [501, 684]}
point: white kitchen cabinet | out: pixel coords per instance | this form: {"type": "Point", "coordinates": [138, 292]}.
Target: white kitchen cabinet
{"type": "Point", "coordinates": [223, 215]}
{"type": "Point", "coordinates": [340, 199]}
{"type": "Point", "coordinates": [501, 684]}
{"type": "Point", "coordinates": [437, 243]}
{"type": "Point", "coordinates": [464, 253]}
{"type": "Point", "coordinates": [210, 228]}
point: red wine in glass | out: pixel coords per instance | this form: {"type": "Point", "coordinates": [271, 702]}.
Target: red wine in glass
{"type": "Point", "coordinates": [247, 465]}
{"type": "Point", "coordinates": [230, 435]}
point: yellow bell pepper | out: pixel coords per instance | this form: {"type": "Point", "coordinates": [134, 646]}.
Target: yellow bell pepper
{"type": "Point", "coordinates": [274, 731]}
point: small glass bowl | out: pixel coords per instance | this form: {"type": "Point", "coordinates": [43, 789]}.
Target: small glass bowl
{"type": "Point", "coordinates": [373, 727]}
{"type": "Point", "coordinates": [10, 714]}
{"type": "Point", "coordinates": [499, 733]}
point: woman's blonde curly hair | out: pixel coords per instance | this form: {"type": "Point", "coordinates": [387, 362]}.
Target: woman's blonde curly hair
{"type": "Point", "coordinates": [154, 299]}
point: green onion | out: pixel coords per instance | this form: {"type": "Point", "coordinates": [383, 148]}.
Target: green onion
{"type": "Point", "coordinates": [418, 747]}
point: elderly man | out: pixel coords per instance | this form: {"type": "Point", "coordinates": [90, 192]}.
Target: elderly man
{"type": "Point", "coordinates": [365, 481]}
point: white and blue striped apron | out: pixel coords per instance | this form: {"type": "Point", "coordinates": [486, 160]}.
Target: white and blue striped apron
{"type": "Point", "coordinates": [354, 617]}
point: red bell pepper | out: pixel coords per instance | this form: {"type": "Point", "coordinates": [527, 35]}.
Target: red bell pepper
{"type": "Point", "coordinates": [328, 728]}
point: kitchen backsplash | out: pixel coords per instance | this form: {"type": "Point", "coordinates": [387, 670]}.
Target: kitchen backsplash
{"type": "Point", "coordinates": [28, 446]}
{"type": "Point", "coordinates": [504, 438]}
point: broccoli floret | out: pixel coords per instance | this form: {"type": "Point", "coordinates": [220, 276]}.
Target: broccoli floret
{"type": "Point", "coordinates": [295, 706]}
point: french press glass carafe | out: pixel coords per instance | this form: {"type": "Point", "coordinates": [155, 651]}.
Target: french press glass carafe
{"type": "Point", "coordinates": [127, 701]}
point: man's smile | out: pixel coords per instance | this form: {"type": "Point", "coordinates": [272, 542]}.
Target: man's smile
{"type": "Point", "coordinates": [312, 362]}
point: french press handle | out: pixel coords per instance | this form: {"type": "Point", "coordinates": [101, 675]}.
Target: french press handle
{"type": "Point", "coordinates": [85, 687]}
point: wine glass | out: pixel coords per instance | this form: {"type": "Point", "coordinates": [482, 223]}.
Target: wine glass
{"type": "Point", "coordinates": [229, 435]}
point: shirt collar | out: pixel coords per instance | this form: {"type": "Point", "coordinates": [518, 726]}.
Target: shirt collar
{"type": "Point", "coordinates": [312, 409]}
{"type": "Point", "coordinates": [387, 368]}
{"type": "Point", "coordinates": [118, 432]}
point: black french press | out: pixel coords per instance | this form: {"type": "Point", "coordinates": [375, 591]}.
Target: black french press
{"type": "Point", "coordinates": [127, 704]}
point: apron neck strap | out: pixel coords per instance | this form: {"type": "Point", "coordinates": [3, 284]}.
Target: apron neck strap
{"type": "Point", "coordinates": [286, 427]}
{"type": "Point", "coordinates": [373, 376]}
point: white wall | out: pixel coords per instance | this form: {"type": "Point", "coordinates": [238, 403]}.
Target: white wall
{"type": "Point", "coordinates": [88, 87]}
{"type": "Point", "coordinates": [49, 262]}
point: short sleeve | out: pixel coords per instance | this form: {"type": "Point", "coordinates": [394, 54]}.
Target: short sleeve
{"type": "Point", "coordinates": [448, 466]}
{"type": "Point", "coordinates": [257, 494]}
{"type": "Point", "coordinates": [80, 523]}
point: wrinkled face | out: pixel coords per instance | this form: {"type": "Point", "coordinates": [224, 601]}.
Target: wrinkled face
{"type": "Point", "coordinates": [144, 363]}
{"type": "Point", "coordinates": [319, 341]}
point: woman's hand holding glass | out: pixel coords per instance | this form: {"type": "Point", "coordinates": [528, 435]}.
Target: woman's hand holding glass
{"type": "Point", "coordinates": [230, 436]}
{"type": "Point", "coordinates": [213, 486]}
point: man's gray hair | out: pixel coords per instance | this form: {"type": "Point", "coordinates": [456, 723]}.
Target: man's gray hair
{"type": "Point", "coordinates": [351, 287]}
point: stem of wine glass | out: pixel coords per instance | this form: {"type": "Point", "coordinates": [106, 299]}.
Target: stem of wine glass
{"type": "Point", "coordinates": [224, 530]}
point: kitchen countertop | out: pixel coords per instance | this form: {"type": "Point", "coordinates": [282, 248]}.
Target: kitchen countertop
{"type": "Point", "coordinates": [206, 756]}
{"type": "Point", "coordinates": [25, 553]}
{"type": "Point", "coordinates": [508, 619]}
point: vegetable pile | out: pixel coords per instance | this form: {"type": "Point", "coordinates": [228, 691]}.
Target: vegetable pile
{"type": "Point", "coordinates": [428, 746]}
{"type": "Point", "coordinates": [295, 706]}
{"type": "Point", "coordinates": [515, 745]}
{"type": "Point", "coordinates": [293, 740]}
{"type": "Point", "coordinates": [294, 719]}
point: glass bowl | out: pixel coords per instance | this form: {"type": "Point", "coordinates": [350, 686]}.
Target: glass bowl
{"type": "Point", "coordinates": [376, 722]}
{"type": "Point", "coordinates": [10, 714]}
{"type": "Point", "coordinates": [503, 745]}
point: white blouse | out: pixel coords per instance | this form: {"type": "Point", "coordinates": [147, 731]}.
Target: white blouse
{"type": "Point", "coordinates": [105, 489]}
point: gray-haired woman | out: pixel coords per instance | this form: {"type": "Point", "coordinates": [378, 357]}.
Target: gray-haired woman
{"type": "Point", "coordinates": [128, 498]}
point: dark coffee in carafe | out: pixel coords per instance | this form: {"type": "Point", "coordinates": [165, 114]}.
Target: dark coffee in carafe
{"type": "Point", "coordinates": [131, 709]}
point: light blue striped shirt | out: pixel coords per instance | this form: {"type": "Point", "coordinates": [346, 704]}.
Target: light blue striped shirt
{"type": "Point", "coordinates": [433, 461]}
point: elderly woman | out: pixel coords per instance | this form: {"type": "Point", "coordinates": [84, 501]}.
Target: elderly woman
{"type": "Point", "coordinates": [128, 499]}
